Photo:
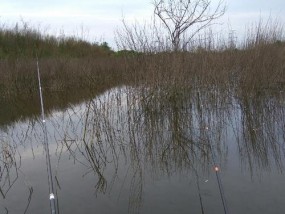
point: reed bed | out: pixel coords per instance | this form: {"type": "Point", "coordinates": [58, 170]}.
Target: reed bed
{"type": "Point", "coordinates": [256, 65]}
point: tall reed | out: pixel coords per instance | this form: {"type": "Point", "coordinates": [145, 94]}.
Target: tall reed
{"type": "Point", "coordinates": [252, 66]}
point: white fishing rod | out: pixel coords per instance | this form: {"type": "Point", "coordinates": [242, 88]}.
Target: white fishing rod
{"type": "Point", "coordinates": [49, 171]}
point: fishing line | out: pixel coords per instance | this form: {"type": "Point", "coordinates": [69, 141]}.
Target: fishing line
{"type": "Point", "coordinates": [199, 191]}
{"type": "Point", "coordinates": [50, 178]}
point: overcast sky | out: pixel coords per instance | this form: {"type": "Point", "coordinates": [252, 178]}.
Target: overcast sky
{"type": "Point", "coordinates": [98, 19]}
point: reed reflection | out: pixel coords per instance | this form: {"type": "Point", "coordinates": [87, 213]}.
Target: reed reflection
{"type": "Point", "coordinates": [13, 140]}
{"type": "Point", "coordinates": [128, 135]}
{"type": "Point", "coordinates": [173, 129]}
{"type": "Point", "coordinates": [261, 136]}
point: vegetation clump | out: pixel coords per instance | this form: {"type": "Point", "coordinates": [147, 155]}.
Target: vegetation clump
{"type": "Point", "coordinates": [23, 41]}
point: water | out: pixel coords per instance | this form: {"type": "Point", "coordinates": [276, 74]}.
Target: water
{"type": "Point", "coordinates": [138, 150]}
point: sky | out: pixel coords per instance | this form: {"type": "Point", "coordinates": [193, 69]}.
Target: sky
{"type": "Point", "coordinates": [97, 20]}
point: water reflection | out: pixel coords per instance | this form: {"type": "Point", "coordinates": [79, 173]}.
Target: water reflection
{"type": "Point", "coordinates": [11, 160]}
{"type": "Point", "coordinates": [24, 107]}
{"type": "Point", "coordinates": [8, 167]}
{"type": "Point", "coordinates": [261, 139]}
{"type": "Point", "coordinates": [127, 138]}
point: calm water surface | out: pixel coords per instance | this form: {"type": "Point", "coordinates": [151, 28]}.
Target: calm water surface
{"type": "Point", "coordinates": [136, 150]}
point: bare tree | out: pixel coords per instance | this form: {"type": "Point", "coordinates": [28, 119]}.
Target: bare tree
{"type": "Point", "coordinates": [179, 16]}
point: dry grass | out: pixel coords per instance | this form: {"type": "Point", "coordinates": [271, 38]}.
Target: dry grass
{"type": "Point", "coordinates": [257, 65]}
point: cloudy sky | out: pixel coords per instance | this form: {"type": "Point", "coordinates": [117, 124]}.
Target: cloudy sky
{"type": "Point", "coordinates": [97, 20]}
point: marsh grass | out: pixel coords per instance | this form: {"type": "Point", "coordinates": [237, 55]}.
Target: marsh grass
{"type": "Point", "coordinates": [254, 66]}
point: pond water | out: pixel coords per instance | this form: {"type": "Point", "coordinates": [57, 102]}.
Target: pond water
{"type": "Point", "coordinates": [137, 150]}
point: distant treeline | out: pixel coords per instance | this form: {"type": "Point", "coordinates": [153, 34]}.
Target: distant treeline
{"type": "Point", "coordinates": [24, 41]}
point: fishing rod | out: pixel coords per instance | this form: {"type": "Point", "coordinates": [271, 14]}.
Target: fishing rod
{"type": "Point", "coordinates": [199, 191]}
{"type": "Point", "coordinates": [49, 171]}
{"type": "Point", "coordinates": [220, 184]}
